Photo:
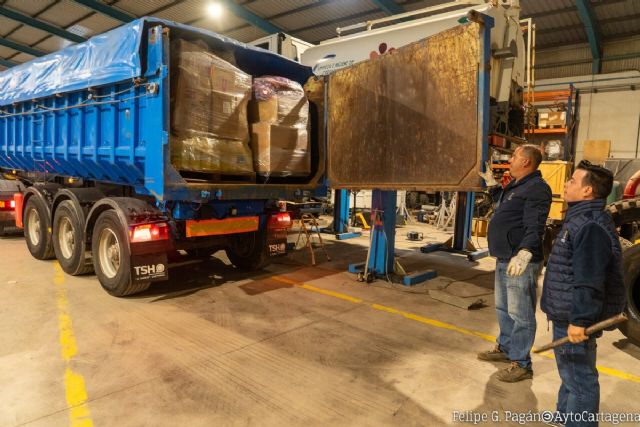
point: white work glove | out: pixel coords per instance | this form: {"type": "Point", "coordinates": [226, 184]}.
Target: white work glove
{"type": "Point", "coordinates": [519, 263]}
{"type": "Point", "coordinates": [487, 175]}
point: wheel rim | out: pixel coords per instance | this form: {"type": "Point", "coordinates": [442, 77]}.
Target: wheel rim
{"type": "Point", "coordinates": [33, 219]}
{"type": "Point", "coordinates": [65, 238]}
{"type": "Point", "coordinates": [109, 253]}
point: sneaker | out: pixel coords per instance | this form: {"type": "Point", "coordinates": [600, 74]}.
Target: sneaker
{"type": "Point", "coordinates": [514, 373]}
{"type": "Point", "coordinates": [494, 355]}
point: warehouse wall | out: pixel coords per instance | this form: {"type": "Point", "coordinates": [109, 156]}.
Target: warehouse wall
{"type": "Point", "coordinates": [608, 109]}
{"type": "Point", "coordinates": [575, 60]}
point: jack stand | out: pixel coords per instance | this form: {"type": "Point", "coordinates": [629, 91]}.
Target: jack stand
{"type": "Point", "coordinates": [460, 242]}
{"type": "Point", "coordinates": [341, 217]}
{"type": "Point", "coordinates": [380, 255]}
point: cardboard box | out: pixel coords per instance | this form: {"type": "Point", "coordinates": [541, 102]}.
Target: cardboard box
{"type": "Point", "coordinates": [479, 227]}
{"type": "Point", "coordinates": [263, 111]}
{"type": "Point", "coordinates": [558, 208]}
{"type": "Point", "coordinates": [208, 95]}
{"type": "Point", "coordinates": [280, 150]}
{"type": "Point", "coordinates": [552, 119]}
{"type": "Point", "coordinates": [211, 155]}
{"type": "Point", "coordinates": [229, 116]}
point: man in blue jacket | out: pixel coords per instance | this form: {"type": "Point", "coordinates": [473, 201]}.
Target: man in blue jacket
{"type": "Point", "coordinates": [583, 285]}
{"type": "Point", "coordinates": [515, 239]}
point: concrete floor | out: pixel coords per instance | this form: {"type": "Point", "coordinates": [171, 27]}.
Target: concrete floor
{"type": "Point", "coordinates": [293, 346]}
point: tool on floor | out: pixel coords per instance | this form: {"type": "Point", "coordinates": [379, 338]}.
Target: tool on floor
{"type": "Point", "coordinates": [415, 236]}
{"type": "Point", "coordinates": [612, 321]}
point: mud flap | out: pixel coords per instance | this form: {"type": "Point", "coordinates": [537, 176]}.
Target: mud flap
{"type": "Point", "coordinates": [149, 267]}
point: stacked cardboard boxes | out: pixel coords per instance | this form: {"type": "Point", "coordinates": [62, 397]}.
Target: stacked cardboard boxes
{"type": "Point", "coordinates": [209, 98]}
{"type": "Point", "coordinates": [279, 116]}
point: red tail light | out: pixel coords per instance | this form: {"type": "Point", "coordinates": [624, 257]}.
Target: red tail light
{"type": "Point", "coordinates": [279, 221]}
{"type": "Point", "coordinates": [7, 205]}
{"type": "Point", "coordinates": [149, 232]}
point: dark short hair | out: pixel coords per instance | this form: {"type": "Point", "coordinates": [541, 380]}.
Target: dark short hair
{"type": "Point", "coordinates": [533, 153]}
{"type": "Point", "coordinates": [598, 178]}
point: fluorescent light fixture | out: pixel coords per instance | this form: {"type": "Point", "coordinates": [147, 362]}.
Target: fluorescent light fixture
{"type": "Point", "coordinates": [214, 10]}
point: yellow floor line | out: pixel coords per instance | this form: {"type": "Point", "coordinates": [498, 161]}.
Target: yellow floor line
{"type": "Point", "coordinates": [438, 324]}
{"type": "Point", "coordinates": [75, 391]}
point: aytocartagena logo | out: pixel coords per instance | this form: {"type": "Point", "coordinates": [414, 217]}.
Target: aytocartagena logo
{"type": "Point", "coordinates": [382, 49]}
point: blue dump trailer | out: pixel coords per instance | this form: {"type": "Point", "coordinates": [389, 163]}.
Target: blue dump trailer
{"type": "Point", "coordinates": [86, 131]}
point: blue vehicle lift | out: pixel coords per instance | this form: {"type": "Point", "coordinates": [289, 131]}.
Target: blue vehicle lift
{"type": "Point", "coordinates": [341, 216]}
{"type": "Point", "coordinates": [381, 257]}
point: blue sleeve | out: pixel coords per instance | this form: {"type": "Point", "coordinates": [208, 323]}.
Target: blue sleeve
{"type": "Point", "coordinates": [536, 211]}
{"type": "Point", "coordinates": [591, 255]}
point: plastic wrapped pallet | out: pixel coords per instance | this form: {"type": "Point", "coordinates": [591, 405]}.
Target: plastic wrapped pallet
{"type": "Point", "coordinates": [209, 99]}
{"type": "Point", "coordinates": [213, 155]}
{"type": "Point", "coordinates": [279, 116]}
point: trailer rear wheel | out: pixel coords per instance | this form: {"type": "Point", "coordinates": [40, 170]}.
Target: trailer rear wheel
{"type": "Point", "coordinates": [248, 251]}
{"type": "Point", "coordinates": [631, 258]}
{"type": "Point", "coordinates": [68, 240]}
{"type": "Point", "coordinates": [112, 258]}
{"type": "Point", "coordinates": [36, 231]}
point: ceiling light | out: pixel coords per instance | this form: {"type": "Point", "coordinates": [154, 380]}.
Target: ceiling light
{"type": "Point", "coordinates": [214, 10]}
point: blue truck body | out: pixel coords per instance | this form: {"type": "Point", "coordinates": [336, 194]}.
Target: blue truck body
{"type": "Point", "coordinates": [100, 111]}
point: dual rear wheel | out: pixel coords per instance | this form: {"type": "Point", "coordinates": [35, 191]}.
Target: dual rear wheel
{"type": "Point", "coordinates": [65, 241]}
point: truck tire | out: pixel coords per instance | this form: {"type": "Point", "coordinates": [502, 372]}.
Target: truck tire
{"type": "Point", "coordinates": [626, 214]}
{"type": "Point", "coordinates": [112, 258]}
{"type": "Point", "coordinates": [36, 231]}
{"type": "Point", "coordinates": [248, 251]}
{"type": "Point", "coordinates": [68, 240]}
{"type": "Point", "coordinates": [631, 258]}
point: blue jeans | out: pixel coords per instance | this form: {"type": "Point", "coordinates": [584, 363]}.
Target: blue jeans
{"type": "Point", "coordinates": [580, 389]}
{"type": "Point", "coordinates": [516, 309]}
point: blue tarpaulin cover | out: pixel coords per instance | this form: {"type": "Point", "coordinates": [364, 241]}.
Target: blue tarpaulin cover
{"type": "Point", "coordinates": [114, 56]}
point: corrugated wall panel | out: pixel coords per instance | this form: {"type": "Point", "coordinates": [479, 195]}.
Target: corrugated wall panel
{"type": "Point", "coordinates": [64, 13]}
{"type": "Point", "coordinates": [28, 35]}
{"type": "Point", "coordinates": [563, 71]}
{"type": "Point", "coordinates": [621, 65]}
{"type": "Point", "coordinates": [267, 8]}
{"type": "Point", "coordinates": [142, 7]}
{"type": "Point", "coordinates": [28, 7]}
{"type": "Point", "coordinates": [53, 43]}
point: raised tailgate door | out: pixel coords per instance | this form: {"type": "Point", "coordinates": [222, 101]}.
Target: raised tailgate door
{"type": "Point", "coordinates": [414, 118]}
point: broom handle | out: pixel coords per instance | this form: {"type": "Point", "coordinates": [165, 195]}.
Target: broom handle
{"type": "Point", "coordinates": [590, 330]}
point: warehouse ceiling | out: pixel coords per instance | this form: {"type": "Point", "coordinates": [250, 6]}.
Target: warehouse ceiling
{"type": "Point", "coordinates": [30, 28]}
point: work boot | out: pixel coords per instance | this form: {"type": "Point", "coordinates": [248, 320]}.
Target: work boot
{"type": "Point", "coordinates": [494, 355]}
{"type": "Point", "coordinates": [514, 373]}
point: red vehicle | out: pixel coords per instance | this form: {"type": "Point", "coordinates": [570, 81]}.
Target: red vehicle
{"type": "Point", "coordinates": [7, 205]}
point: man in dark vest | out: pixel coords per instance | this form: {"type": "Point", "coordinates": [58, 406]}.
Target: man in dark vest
{"type": "Point", "coordinates": [515, 239]}
{"type": "Point", "coordinates": [583, 284]}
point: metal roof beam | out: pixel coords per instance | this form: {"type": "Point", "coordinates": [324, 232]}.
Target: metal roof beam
{"type": "Point", "coordinates": [35, 23]}
{"type": "Point", "coordinates": [252, 18]}
{"type": "Point", "coordinates": [588, 18]}
{"type": "Point", "coordinates": [7, 63]}
{"type": "Point", "coordinates": [107, 10]}
{"type": "Point", "coordinates": [20, 47]}
{"type": "Point", "coordinates": [389, 6]}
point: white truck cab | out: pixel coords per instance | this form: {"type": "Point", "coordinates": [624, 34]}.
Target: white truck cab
{"type": "Point", "coordinates": [283, 44]}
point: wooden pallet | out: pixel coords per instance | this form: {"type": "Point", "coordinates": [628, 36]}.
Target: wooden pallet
{"type": "Point", "coordinates": [219, 178]}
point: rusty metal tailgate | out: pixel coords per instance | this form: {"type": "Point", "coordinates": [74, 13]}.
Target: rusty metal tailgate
{"type": "Point", "coordinates": [412, 118]}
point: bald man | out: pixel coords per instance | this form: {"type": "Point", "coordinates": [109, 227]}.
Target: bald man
{"type": "Point", "coordinates": [515, 239]}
